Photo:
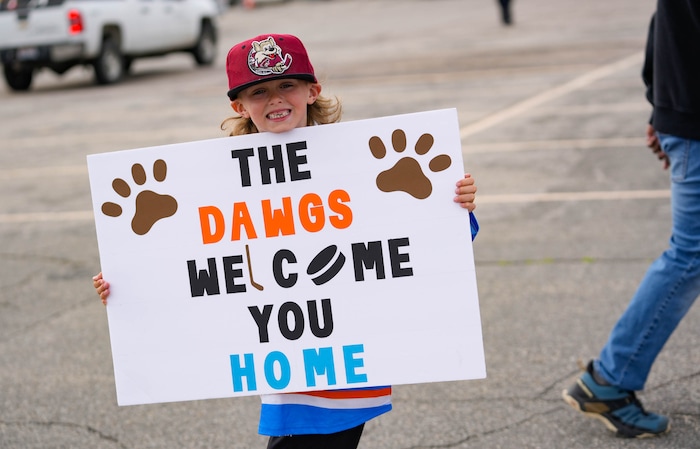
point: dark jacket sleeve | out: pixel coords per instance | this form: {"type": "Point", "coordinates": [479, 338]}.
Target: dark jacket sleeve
{"type": "Point", "coordinates": [648, 68]}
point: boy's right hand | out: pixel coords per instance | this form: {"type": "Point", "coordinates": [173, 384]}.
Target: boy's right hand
{"type": "Point", "coordinates": [465, 193]}
{"type": "Point", "coordinates": [101, 286]}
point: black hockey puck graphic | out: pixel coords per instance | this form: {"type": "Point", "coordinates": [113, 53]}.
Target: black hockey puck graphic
{"type": "Point", "coordinates": [323, 267]}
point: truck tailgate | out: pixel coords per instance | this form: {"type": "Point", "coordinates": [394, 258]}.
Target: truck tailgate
{"type": "Point", "coordinates": [34, 27]}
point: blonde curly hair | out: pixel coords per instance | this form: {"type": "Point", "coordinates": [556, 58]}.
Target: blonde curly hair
{"type": "Point", "coordinates": [321, 112]}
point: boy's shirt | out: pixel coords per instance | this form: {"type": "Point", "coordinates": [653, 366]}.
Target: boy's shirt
{"type": "Point", "coordinates": [321, 412]}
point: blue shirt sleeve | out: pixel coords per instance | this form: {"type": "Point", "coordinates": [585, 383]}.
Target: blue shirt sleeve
{"type": "Point", "coordinates": [474, 225]}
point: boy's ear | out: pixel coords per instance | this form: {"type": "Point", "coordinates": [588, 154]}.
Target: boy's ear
{"type": "Point", "coordinates": [314, 92]}
{"type": "Point", "coordinates": [240, 109]}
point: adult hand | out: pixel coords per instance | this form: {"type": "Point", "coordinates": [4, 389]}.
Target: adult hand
{"type": "Point", "coordinates": [653, 143]}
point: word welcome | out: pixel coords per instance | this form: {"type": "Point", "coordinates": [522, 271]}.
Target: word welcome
{"type": "Point", "coordinates": [323, 267]}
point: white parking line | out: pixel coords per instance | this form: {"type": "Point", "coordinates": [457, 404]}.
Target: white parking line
{"type": "Point", "coordinates": [42, 172]}
{"type": "Point", "coordinates": [480, 125]}
{"type": "Point", "coordinates": [520, 198]}
{"type": "Point", "coordinates": [573, 196]}
{"type": "Point", "coordinates": [40, 217]}
{"type": "Point", "coordinates": [550, 94]}
{"type": "Point", "coordinates": [564, 144]}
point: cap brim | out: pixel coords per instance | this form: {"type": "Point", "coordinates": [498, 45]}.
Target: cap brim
{"type": "Point", "coordinates": [233, 93]}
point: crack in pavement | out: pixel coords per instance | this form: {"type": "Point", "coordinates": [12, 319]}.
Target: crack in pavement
{"type": "Point", "coordinates": [88, 428]}
{"type": "Point", "coordinates": [48, 318]}
{"type": "Point", "coordinates": [540, 397]}
{"type": "Point", "coordinates": [487, 433]}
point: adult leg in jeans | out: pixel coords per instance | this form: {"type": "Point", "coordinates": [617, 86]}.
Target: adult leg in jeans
{"type": "Point", "coordinates": [669, 287]}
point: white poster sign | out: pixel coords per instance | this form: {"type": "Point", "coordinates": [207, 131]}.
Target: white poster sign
{"type": "Point", "coordinates": [327, 257]}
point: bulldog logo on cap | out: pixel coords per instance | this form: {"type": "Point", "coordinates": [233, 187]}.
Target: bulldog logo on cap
{"type": "Point", "coordinates": [265, 58]}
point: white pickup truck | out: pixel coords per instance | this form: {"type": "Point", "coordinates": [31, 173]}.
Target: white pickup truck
{"type": "Point", "coordinates": [106, 34]}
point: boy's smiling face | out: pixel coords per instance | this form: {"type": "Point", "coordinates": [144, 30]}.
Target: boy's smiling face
{"type": "Point", "coordinates": [278, 105]}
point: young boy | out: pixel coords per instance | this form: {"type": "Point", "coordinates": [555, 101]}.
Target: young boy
{"type": "Point", "coordinates": [273, 88]}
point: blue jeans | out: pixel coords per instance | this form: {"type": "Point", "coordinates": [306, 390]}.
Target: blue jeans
{"type": "Point", "coordinates": [671, 284]}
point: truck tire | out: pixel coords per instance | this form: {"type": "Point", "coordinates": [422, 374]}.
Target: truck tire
{"type": "Point", "coordinates": [205, 50]}
{"type": "Point", "coordinates": [19, 79]}
{"type": "Point", "coordinates": [109, 65]}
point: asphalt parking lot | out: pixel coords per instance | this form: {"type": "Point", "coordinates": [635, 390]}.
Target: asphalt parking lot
{"type": "Point", "coordinates": [572, 208]}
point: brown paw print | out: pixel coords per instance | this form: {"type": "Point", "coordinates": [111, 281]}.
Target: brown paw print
{"type": "Point", "coordinates": [150, 206]}
{"type": "Point", "coordinates": [407, 175]}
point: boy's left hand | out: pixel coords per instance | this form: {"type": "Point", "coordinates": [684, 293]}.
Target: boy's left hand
{"type": "Point", "coordinates": [466, 192]}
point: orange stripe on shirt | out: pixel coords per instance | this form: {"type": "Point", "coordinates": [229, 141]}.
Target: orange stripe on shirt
{"type": "Point", "coordinates": [349, 394]}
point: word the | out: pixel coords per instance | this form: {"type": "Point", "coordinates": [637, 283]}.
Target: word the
{"type": "Point", "coordinates": [275, 163]}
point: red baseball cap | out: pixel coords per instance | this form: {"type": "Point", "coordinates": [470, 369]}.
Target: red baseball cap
{"type": "Point", "coordinates": [264, 58]}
